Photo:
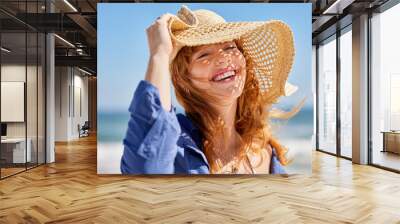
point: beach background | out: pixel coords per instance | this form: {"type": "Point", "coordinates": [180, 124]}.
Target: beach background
{"type": "Point", "coordinates": [296, 134]}
{"type": "Point", "coordinates": [122, 61]}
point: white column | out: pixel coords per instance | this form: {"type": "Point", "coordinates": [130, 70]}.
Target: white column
{"type": "Point", "coordinates": [314, 92]}
{"type": "Point", "coordinates": [50, 108]}
{"type": "Point", "coordinates": [50, 91]}
{"type": "Point", "coordinates": [360, 90]}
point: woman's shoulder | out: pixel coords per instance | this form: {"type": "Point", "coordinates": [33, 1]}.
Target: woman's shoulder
{"type": "Point", "coordinates": [275, 165]}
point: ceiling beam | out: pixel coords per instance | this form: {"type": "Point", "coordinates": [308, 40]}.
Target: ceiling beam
{"type": "Point", "coordinates": [337, 6]}
{"type": "Point", "coordinates": [82, 61]}
{"type": "Point", "coordinates": [84, 24]}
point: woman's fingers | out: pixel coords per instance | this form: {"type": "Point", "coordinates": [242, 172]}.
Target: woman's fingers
{"type": "Point", "coordinates": [161, 20]}
{"type": "Point", "coordinates": [158, 36]}
{"type": "Point", "coordinates": [164, 18]}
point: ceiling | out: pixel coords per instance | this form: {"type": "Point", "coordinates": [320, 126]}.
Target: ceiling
{"type": "Point", "coordinates": [74, 22]}
{"type": "Point", "coordinates": [329, 16]}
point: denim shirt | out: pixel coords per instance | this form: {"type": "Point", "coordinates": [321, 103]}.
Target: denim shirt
{"type": "Point", "coordinates": [163, 142]}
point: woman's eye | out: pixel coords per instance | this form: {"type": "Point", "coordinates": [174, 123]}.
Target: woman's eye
{"type": "Point", "coordinates": [230, 48]}
{"type": "Point", "coordinates": [202, 55]}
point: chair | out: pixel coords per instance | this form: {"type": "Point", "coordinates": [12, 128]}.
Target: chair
{"type": "Point", "coordinates": [84, 130]}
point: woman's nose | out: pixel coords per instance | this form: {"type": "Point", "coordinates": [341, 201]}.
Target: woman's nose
{"type": "Point", "coordinates": [222, 58]}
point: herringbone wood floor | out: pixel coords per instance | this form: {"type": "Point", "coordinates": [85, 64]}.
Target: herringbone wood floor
{"type": "Point", "coordinates": [70, 191]}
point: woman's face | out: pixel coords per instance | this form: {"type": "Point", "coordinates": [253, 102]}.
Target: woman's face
{"type": "Point", "coordinates": [219, 69]}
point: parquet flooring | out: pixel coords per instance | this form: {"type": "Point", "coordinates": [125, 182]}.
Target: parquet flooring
{"type": "Point", "coordinates": [70, 191]}
{"type": "Point", "coordinates": [10, 171]}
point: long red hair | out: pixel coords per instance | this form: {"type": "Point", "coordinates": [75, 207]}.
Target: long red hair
{"type": "Point", "coordinates": [252, 114]}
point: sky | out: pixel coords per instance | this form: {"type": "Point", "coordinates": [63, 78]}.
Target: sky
{"type": "Point", "coordinates": [123, 51]}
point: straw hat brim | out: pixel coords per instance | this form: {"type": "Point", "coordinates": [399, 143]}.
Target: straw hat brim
{"type": "Point", "coordinates": [268, 45]}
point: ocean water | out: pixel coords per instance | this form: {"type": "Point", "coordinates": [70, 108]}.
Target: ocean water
{"type": "Point", "coordinates": [299, 126]}
{"type": "Point", "coordinates": [112, 126]}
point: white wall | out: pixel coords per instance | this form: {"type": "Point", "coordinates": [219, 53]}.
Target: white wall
{"type": "Point", "coordinates": [71, 87]}
{"type": "Point", "coordinates": [33, 126]}
{"type": "Point", "coordinates": [12, 73]}
{"type": "Point", "coordinates": [81, 89]}
{"type": "Point", "coordinates": [62, 81]}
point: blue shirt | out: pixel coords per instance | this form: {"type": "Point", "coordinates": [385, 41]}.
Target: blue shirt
{"type": "Point", "coordinates": [163, 142]}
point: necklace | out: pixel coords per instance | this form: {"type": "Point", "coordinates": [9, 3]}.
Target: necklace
{"type": "Point", "coordinates": [233, 167]}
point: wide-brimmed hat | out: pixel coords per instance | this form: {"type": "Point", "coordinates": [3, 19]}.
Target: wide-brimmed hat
{"type": "Point", "coordinates": [268, 45]}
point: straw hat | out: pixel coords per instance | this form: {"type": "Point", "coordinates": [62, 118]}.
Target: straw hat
{"type": "Point", "coordinates": [268, 44]}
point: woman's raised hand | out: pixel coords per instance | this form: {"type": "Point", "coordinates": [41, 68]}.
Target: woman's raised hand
{"type": "Point", "coordinates": [158, 36]}
{"type": "Point", "coordinates": [161, 49]}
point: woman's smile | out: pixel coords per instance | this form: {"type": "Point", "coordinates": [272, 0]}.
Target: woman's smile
{"type": "Point", "coordinates": [224, 75]}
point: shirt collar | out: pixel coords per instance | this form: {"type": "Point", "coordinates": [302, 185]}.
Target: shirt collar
{"type": "Point", "coordinates": [189, 126]}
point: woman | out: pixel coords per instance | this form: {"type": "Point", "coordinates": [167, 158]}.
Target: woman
{"type": "Point", "coordinates": [226, 76]}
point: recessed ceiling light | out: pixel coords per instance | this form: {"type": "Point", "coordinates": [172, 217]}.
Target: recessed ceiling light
{"type": "Point", "coordinates": [71, 6]}
{"type": "Point", "coordinates": [84, 71]}
{"type": "Point", "coordinates": [338, 6]}
{"type": "Point", "coordinates": [5, 50]}
{"type": "Point", "coordinates": [64, 40]}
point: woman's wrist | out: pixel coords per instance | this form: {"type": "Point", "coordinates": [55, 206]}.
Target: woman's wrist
{"type": "Point", "coordinates": [159, 56]}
